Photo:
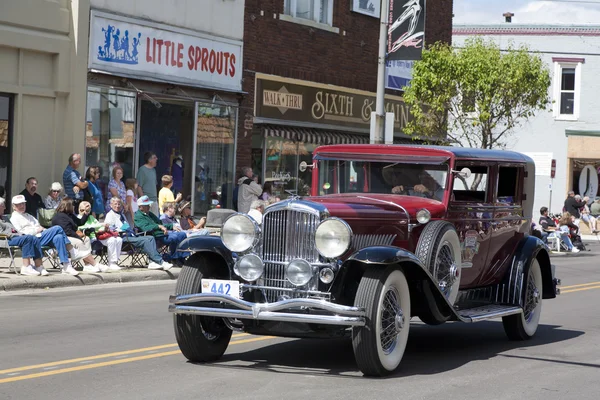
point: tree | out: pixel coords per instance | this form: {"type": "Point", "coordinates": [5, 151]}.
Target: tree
{"type": "Point", "coordinates": [476, 95]}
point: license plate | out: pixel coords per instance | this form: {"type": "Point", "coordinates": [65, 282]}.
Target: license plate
{"type": "Point", "coordinates": [228, 288]}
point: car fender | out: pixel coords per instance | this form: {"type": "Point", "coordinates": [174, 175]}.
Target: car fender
{"type": "Point", "coordinates": [531, 247]}
{"type": "Point", "coordinates": [424, 289]}
{"type": "Point", "coordinates": [209, 244]}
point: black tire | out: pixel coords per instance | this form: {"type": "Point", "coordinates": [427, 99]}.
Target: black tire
{"type": "Point", "coordinates": [439, 241]}
{"type": "Point", "coordinates": [374, 356]}
{"type": "Point", "coordinates": [200, 339]}
{"type": "Point", "coordinates": [523, 326]}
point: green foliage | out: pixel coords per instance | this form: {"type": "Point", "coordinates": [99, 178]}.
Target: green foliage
{"type": "Point", "coordinates": [475, 95]}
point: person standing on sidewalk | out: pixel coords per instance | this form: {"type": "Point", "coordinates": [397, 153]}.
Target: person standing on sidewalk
{"type": "Point", "coordinates": [29, 244]}
{"type": "Point", "coordinates": [248, 190]}
{"type": "Point", "coordinates": [146, 178]}
{"type": "Point", "coordinates": [572, 206]}
{"type": "Point", "coordinates": [73, 183]}
{"type": "Point", "coordinates": [28, 225]}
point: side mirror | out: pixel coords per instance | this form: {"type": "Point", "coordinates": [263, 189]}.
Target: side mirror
{"type": "Point", "coordinates": [464, 173]}
{"type": "Point", "coordinates": [304, 166]}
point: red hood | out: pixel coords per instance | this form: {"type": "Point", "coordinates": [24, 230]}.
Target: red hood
{"type": "Point", "coordinates": [354, 206]}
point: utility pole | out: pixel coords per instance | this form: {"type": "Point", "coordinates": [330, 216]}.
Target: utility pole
{"type": "Point", "coordinates": [378, 117]}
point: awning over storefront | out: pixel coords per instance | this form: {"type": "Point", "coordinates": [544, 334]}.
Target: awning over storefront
{"type": "Point", "coordinates": [314, 136]}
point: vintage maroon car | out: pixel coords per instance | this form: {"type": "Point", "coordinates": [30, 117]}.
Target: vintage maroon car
{"type": "Point", "coordinates": [391, 232]}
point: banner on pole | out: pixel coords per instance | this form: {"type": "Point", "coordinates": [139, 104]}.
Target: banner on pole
{"type": "Point", "coordinates": [398, 74]}
{"type": "Point", "coordinates": [406, 29]}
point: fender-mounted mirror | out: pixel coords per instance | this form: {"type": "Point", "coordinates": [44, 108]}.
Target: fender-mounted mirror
{"type": "Point", "coordinates": [304, 166]}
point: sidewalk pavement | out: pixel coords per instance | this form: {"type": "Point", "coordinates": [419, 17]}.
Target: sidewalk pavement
{"type": "Point", "coordinates": [9, 281]}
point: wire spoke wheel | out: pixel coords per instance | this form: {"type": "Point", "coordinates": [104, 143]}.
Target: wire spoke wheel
{"type": "Point", "coordinates": [523, 326]}
{"type": "Point", "coordinates": [445, 268]}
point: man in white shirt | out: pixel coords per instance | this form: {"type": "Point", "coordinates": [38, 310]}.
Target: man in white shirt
{"type": "Point", "coordinates": [54, 236]}
{"type": "Point", "coordinates": [116, 220]}
{"type": "Point", "coordinates": [248, 190]}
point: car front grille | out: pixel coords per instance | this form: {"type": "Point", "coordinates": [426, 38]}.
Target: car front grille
{"type": "Point", "coordinates": [287, 235]}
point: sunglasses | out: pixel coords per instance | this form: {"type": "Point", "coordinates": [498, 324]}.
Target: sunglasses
{"type": "Point", "coordinates": [56, 191]}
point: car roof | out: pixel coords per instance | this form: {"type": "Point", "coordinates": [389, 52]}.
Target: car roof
{"type": "Point", "coordinates": [461, 153]}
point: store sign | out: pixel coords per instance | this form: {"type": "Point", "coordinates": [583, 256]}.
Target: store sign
{"type": "Point", "coordinates": [293, 100]}
{"type": "Point", "coordinates": [142, 49]}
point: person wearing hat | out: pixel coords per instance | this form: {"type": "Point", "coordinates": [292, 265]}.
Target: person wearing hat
{"type": "Point", "coordinates": [116, 220]}
{"type": "Point", "coordinates": [29, 244]}
{"type": "Point", "coordinates": [26, 224]}
{"type": "Point", "coordinates": [187, 221]}
{"type": "Point", "coordinates": [34, 200]}
{"type": "Point", "coordinates": [148, 222]}
{"type": "Point", "coordinates": [54, 196]}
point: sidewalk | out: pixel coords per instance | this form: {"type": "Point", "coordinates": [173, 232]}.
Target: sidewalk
{"type": "Point", "coordinates": [10, 281]}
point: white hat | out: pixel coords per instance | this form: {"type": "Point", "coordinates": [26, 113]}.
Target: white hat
{"type": "Point", "coordinates": [56, 186]}
{"type": "Point", "coordinates": [19, 199]}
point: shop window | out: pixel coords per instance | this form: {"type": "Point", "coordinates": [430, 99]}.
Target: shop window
{"type": "Point", "coordinates": [283, 156]}
{"type": "Point", "coordinates": [110, 132]}
{"type": "Point", "coordinates": [472, 189]}
{"type": "Point", "coordinates": [508, 185]}
{"type": "Point", "coordinates": [5, 145]}
{"type": "Point", "coordinates": [215, 156]}
{"type": "Point", "coordinates": [313, 10]}
{"type": "Point", "coordinates": [567, 89]}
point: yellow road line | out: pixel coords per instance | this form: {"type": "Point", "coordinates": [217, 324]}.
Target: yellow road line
{"type": "Point", "coordinates": [580, 285]}
{"type": "Point", "coordinates": [580, 289]}
{"type": "Point", "coordinates": [114, 362]}
{"type": "Point", "coordinates": [96, 357]}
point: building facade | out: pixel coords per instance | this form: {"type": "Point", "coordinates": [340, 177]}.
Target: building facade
{"type": "Point", "coordinates": [310, 74]}
{"type": "Point", "coordinates": [569, 132]}
{"type": "Point", "coordinates": [113, 80]}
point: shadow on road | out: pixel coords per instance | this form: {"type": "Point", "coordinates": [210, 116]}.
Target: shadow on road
{"type": "Point", "coordinates": [430, 350]}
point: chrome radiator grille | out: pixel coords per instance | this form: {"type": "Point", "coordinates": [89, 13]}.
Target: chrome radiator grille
{"type": "Point", "coordinates": [287, 235]}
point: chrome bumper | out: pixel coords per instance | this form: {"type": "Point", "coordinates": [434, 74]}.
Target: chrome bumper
{"type": "Point", "coordinates": [279, 311]}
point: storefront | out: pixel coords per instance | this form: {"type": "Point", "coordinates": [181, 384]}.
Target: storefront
{"type": "Point", "coordinates": [583, 158]}
{"type": "Point", "coordinates": [293, 117]}
{"type": "Point", "coordinates": [172, 91]}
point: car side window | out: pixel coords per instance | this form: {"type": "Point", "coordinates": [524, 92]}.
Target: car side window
{"type": "Point", "coordinates": [472, 189]}
{"type": "Point", "coordinates": [508, 185]}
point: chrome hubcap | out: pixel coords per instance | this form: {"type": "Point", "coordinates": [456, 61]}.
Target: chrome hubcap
{"type": "Point", "coordinates": [392, 320]}
{"type": "Point", "coordinates": [446, 270]}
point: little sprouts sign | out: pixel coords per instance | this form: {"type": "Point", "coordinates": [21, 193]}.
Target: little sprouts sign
{"type": "Point", "coordinates": [154, 51]}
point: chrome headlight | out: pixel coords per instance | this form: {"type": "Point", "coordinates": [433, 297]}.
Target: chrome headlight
{"type": "Point", "coordinates": [250, 267]}
{"type": "Point", "coordinates": [423, 216]}
{"type": "Point", "coordinates": [333, 237]}
{"type": "Point", "coordinates": [239, 233]}
{"type": "Point", "coordinates": [298, 272]}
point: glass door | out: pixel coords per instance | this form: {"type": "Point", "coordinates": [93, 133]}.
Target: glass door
{"type": "Point", "coordinates": [5, 145]}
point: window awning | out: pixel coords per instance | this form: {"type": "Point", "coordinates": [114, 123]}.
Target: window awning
{"type": "Point", "coordinates": [314, 136]}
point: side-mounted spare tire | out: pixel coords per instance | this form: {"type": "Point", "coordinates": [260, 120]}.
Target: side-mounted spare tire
{"type": "Point", "coordinates": [440, 252]}
{"type": "Point", "coordinates": [200, 339]}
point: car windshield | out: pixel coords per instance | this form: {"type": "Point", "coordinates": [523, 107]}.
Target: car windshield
{"type": "Point", "coordinates": [405, 178]}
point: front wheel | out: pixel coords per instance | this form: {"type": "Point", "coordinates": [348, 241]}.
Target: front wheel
{"type": "Point", "coordinates": [523, 326]}
{"type": "Point", "coordinates": [200, 339]}
{"type": "Point", "coordinates": [380, 344]}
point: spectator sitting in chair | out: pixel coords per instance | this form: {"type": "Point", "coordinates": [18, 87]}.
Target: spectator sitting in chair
{"type": "Point", "coordinates": [572, 205]}
{"type": "Point", "coordinates": [53, 199]}
{"type": "Point", "coordinates": [29, 244]}
{"type": "Point", "coordinates": [65, 218]}
{"type": "Point", "coordinates": [117, 220]}
{"type": "Point", "coordinates": [28, 225]}
{"type": "Point", "coordinates": [187, 221]}
{"type": "Point", "coordinates": [586, 216]}
{"type": "Point", "coordinates": [168, 216]}
{"type": "Point", "coordinates": [34, 200]}
{"type": "Point", "coordinates": [550, 228]}
{"type": "Point", "coordinates": [147, 222]}
{"type": "Point", "coordinates": [113, 243]}
{"type": "Point", "coordinates": [565, 225]}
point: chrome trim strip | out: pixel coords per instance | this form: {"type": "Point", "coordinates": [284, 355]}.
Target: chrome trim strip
{"type": "Point", "coordinates": [245, 286]}
{"type": "Point", "coordinates": [495, 314]}
{"type": "Point", "coordinates": [269, 316]}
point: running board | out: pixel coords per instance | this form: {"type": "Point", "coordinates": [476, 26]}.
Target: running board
{"type": "Point", "coordinates": [487, 312]}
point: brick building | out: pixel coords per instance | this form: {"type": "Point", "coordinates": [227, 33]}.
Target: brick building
{"type": "Point", "coordinates": [310, 76]}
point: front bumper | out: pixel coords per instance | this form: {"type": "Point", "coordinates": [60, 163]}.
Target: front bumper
{"type": "Point", "coordinates": [309, 311]}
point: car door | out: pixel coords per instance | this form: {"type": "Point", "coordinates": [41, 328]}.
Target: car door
{"type": "Point", "coordinates": [509, 225]}
{"type": "Point", "coordinates": [471, 211]}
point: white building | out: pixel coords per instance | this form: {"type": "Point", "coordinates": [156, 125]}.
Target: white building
{"type": "Point", "coordinates": [570, 131]}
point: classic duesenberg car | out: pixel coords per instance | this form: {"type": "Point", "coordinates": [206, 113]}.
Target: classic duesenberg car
{"type": "Point", "coordinates": [391, 232]}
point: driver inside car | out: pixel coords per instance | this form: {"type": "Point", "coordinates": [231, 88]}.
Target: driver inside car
{"type": "Point", "coordinates": [427, 188]}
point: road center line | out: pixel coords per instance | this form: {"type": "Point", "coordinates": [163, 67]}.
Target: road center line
{"type": "Point", "coordinates": [580, 289]}
{"type": "Point", "coordinates": [116, 362]}
{"type": "Point", "coordinates": [580, 285]}
{"type": "Point", "coordinates": [97, 357]}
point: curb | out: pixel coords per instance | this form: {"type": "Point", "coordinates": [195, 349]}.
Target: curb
{"type": "Point", "coordinates": [16, 282]}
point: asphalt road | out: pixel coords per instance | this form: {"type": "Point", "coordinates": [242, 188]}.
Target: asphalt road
{"type": "Point", "coordinates": [116, 342]}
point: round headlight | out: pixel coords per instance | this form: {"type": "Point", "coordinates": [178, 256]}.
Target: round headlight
{"type": "Point", "coordinates": [333, 237]}
{"type": "Point", "coordinates": [423, 216]}
{"type": "Point", "coordinates": [250, 267]}
{"type": "Point", "coordinates": [239, 233]}
{"type": "Point", "coordinates": [298, 272]}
